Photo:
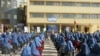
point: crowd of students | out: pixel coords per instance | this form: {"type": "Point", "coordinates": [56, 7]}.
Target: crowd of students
{"type": "Point", "coordinates": [81, 44]}
{"type": "Point", "coordinates": [35, 47]}
{"type": "Point", "coordinates": [14, 41]}
{"type": "Point", "coordinates": [29, 43]}
{"type": "Point", "coordinates": [85, 44]}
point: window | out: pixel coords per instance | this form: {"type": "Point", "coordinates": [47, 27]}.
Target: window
{"type": "Point", "coordinates": [86, 16]}
{"type": "Point", "coordinates": [79, 16]}
{"type": "Point", "coordinates": [94, 16]}
{"type": "Point", "coordinates": [94, 5]}
{"type": "Point", "coordinates": [79, 4]}
{"type": "Point", "coordinates": [83, 4]}
{"type": "Point", "coordinates": [15, 16]}
{"type": "Point", "coordinates": [86, 4]}
{"type": "Point", "coordinates": [36, 15]}
{"type": "Point", "coordinates": [53, 3]}
{"type": "Point", "coordinates": [98, 5]}
{"type": "Point", "coordinates": [68, 15]}
{"type": "Point", "coordinates": [9, 16]}
{"type": "Point", "coordinates": [37, 3]}
{"type": "Point", "coordinates": [99, 16]}
{"type": "Point", "coordinates": [8, 4]}
{"type": "Point", "coordinates": [50, 15]}
{"type": "Point", "coordinates": [2, 3]}
{"type": "Point", "coordinates": [14, 4]}
{"type": "Point", "coordinates": [68, 4]}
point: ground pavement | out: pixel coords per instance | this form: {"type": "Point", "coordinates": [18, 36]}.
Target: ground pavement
{"type": "Point", "coordinates": [49, 49]}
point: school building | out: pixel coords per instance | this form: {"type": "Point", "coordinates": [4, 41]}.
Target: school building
{"type": "Point", "coordinates": [80, 15]}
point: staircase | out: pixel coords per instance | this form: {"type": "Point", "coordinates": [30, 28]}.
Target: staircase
{"type": "Point", "coordinates": [49, 49]}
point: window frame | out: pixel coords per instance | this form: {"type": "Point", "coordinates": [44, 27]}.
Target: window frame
{"type": "Point", "coordinates": [36, 15]}
{"type": "Point", "coordinates": [68, 4]}
{"type": "Point", "coordinates": [52, 15]}
{"type": "Point", "coordinates": [68, 15]}
{"type": "Point", "coordinates": [93, 16]}
{"type": "Point", "coordinates": [38, 3]}
{"type": "Point", "coordinates": [53, 4]}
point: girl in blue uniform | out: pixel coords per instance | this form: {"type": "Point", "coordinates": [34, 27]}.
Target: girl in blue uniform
{"type": "Point", "coordinates": [15, 41]}
{"type": "Point", "coordinates": [38, 44]}
{"type": "Point", "coordinates": [6, 47]}
{"type": "Point", "coordinates": [96, 50]}
{"type": "Point", "coordinates": [26, 51]}
{"type": "Point", "coordinates": [85, 51]}
{"type": "Point", "coordinates": [69, 49]}
{"type": "Point", "coordinates": [91, 42]}
{"type": "Point", "coordinates": [34, 50]}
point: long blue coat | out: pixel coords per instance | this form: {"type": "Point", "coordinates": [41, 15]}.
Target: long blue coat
{"type": "Point", "coordinates": [96, 50]}
{"type": "Point", "coordinates": [42, 37]}
{"type": "Point", "coordinates": [6, 43]}
{"type": "Point", "coordinates": [38, 41]}
{"type": "Point", "coordinates": [92, 41]}
{"type": "Point", "coordinates": [33, 49]}
{"type": "Point", "coordinates": [69, 47]}
{"type": "Point", "coordinates": [15, 38]}
{"type": "Point", "coordinates": [26, 51]}
{"type": "Point", "coordinates": [20, 38]}
{"type": "Point", "coordinates": [85, 51]}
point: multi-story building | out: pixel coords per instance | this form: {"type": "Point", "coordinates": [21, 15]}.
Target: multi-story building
{"type": "Point", "coordinates": [59, 14]}
{"type": "Point", "coordinates": [9, 11]}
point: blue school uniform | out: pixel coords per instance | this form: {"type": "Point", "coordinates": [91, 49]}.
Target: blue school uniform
{"type": "Point", "coordinates": [92, 41]}
{"type": "Point", "coordinates": [34, 49]}
{"type": "Point", "coordinates": [85, 51]}
{"type": "Point", "coordinates": [15, 38]}
{"type": "Point", "coordinates": [6, 43]}
{"type": "Point", "coordinates": [38, 42]}
{"type": "Point", "coordinates": [96, 50]}
{"type": "Point", "coordinates": [26, 51]}
{"type": "Point", "coordinates": [69, 47]}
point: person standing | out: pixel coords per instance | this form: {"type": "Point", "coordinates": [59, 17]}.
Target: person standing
{"type": "Point", "coordinates": [6, 46]}
{"type": "Point", "coordinates": [85, 51]}
{"type": "Point", "coordinates": [15, 41]}
{"type": "Point", "coordinates": [34, 50]}
{"type": "Point", "coordinates": [26, 51]}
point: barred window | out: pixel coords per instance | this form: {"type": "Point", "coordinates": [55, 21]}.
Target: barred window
{"type": "Point", "coordinates": [37, 3]}
{"type": "Point", "coordinates": [68, 15]}
{"type": "Point", "coordinates": [37, 15]}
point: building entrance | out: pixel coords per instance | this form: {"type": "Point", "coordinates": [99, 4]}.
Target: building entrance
{"type": "Point", "coordinates": [58, 28]}
{"type": "Point", "coordinates": [52, 27]}
{"type": "Point", "coordinates": [37, 28]}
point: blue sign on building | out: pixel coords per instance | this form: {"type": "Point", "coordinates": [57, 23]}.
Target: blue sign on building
{"type": "Point", "coordinates": [52, 19]}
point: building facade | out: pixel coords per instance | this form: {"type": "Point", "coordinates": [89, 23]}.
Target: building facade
{"type": "Point", "coordinates": [9, 12]}
{"type": "Point", "coordinates": [80, 15]}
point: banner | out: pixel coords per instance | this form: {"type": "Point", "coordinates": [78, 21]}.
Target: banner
{"type": "Point", "coordinates": [67, 29]}
{"type": "Point", "coordinates": [44, 29]}
{"type": "Point", "coordinates": [52, 19]}
{"type": "Point", "coordinates": [38, 29]}
{"type": "Point", "coordinates": [25, 29]}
